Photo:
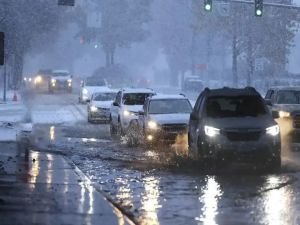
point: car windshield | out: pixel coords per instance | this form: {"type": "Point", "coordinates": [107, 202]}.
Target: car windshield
{"type": "Point", "coordinates": [104, 97]}
{"type": "Point", "coordinates": [288, 97]}
{"type": "Point", "coordinates": [135, 98]}
{"type": "Point", "coordinates": [240, 106]}
{"type": "Point", "coordinates": [95, 82]}
{"type": "Point", "coordinates": [60, 74]}
{"type": "Point", "coordinates": [170, 106]}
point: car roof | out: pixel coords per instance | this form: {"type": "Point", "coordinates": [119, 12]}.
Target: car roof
{"type": "Point", "coordinates": [231, 92]}
{"type": "Point", "coordinates": [137, 90]}
{"type": "Point", "coordinates": [285, 88]}
{"type": "Point", "coordinates": [165, 97]}
{"type": "Point", "coordinates": [105, 91]}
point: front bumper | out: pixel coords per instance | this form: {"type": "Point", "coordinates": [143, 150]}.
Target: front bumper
{"type": "Point", "coordinates": [164, 134]}
{"type": "Point", "coordinates": [100, 115]}
{"type": "Point", "coordinates": [265, 148]}
{"type": "Point", "coordinates": [61, 85]}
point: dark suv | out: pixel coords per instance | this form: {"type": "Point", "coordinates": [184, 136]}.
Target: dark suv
{"type": "Point", "coordinates": [234, 124]}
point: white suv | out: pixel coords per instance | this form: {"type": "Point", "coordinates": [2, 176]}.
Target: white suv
{"type": "Point", "coordinates": [125, 108]}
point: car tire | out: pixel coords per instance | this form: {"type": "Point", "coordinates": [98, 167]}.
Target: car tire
{"type": "Point", "coordinates": [113, 130]}
{"type": "Point", "coordinates": [89, 119]}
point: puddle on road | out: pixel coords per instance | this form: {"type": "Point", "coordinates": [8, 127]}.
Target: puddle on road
{"type": "Point", "coordinates": [52, 133]}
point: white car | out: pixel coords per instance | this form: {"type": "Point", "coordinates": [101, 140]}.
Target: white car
{"type": "Point", "coordinates": [90, 86]}
{"type": "Point", "coordinates": [164, 118]}
{"type": "Point", "coordinates": [99, 106]}
{"type": "Point", "coordinates": [126, 106]}
{"type": "Point", "coordinates": [58, 80]}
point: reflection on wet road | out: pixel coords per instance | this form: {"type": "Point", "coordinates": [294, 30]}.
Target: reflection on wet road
{"type": "Point", "coordinates": [210, 198]}
{"type": "Point", "coordinates": [155, 187]}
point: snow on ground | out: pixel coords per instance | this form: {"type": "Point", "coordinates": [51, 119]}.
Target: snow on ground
{"type": "Point", "coordinates": [53, 114]}
{"type": "Point", "coordinates": [7, 134]}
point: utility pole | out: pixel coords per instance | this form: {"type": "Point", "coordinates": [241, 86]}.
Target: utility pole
{"type": "Point", "coordinates": [234, 51]}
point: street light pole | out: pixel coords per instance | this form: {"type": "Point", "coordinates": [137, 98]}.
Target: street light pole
{"type": "Point", "coordinates": [4, 83]}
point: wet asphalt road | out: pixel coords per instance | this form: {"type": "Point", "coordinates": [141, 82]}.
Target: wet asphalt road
{"type": "Point", "coordinates": [160, 186]}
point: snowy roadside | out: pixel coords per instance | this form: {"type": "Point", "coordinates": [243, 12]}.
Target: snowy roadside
{"type": "Point", "coordinates": [12, 118]}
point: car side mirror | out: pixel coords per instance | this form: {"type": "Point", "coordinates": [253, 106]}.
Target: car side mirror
{"type": "Point", "coordinates": [141, 113]}
{"type": "Point", "coordinates": [268, 102]}
{"type": "Point", "coordinates": [275, 114]}
{"type": "Point", "coordinates": [194, 116]}
{"type": "Point", "coordinates": [115, 104]}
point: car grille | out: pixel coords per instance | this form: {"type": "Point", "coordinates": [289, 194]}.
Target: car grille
{"type": "Point", "coordinates": [174, 128]}
{"type": "Point", "coordinates": [103, 109]}
{"type": "Point", "coordinates": [243, 134]}
{"type": "Point", "coordinates": [296, 120]}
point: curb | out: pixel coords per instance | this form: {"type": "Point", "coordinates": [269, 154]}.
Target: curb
{"type": "Point", "coordinates": [128, 218]}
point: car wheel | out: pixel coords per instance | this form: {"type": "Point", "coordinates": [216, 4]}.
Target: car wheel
{"type": "Point", "coordinates": [89, 119]}
{"type": "Point", "coordinates": [113, 130]}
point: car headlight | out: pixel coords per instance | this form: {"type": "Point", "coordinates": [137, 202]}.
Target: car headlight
{"type": "Point", "coordinates": [94, 108]}
{"type": "Point", "coordinates": [211, 131]}
{"type": "Point", "coordinates": [53, 81]}
{"type": "Point", "coordinates": [273, 130]}
{"type": "Point", "coordinates": [128, 113]}
{"type": "Point", "coordinates": [25, 78]}
{"type": "Point", "coordinates": [283, 114]}
{"type": "Point", "coordinates": [85, 91]}
{"type": "Point", "coordinates": [38, 79]}
{"type": "Point", "coordinates": [29, 79]}
{"type": "Point", "coordinates": [69, 80]}
{"type": "Point", "coordinates": [152, 125]}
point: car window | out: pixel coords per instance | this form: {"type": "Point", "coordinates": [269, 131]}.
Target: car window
{"type": "Point", "coordinates": [240, 106]}
{"type": "Point", "coordinates": [170, 106]}
{"type": "Point", "coordinates": [60, 74]}
{"type": "Point", "coordinates": [135, 98]}
{"type": "Point", "coordinates": [288, 97]}
{"type": "Point", "coordinates": [269, 94]}
{"type": "Point", "coordinates": [118, 98]}
{"type": "Point", "coordinates": [95, 82]}
{"type": "Point", "coordinates": [104, 97]}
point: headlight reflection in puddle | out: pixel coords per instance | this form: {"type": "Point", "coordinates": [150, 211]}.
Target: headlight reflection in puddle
{"type": "Point", "coordinates": [150, 200]}
{"type": "Point", "coordinates": [210, 198]}
{"type": "Point", "coordinates": [278, 206]}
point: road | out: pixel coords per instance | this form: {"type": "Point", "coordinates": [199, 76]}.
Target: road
{"type": "Point", "coordinates": [161, 186]}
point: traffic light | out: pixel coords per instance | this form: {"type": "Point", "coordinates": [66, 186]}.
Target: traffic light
{"type": "Point", "coordinates": [2, 48]}
{"type": "Point", "coordinates": [66, 2]}
{"type": "Point", "coordinates": [207, 5]}
{"type": "Point", "coordinates": [258, 5]}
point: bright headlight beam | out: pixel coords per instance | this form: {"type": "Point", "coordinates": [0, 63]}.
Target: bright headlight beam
{"type": "Point", "coordinates": [85, 91]}
{"type": "Point", "coordinates": [283, 114]}
{"type": "Point", "coordinates": [273, 130]}
{"type": "Point", "coordinates": [94, 108]}
{"type": "Point", "coordinates": [211, 131]}
{"type": "Point", "coordinates": [126, 113]}
{"type": "Point", "coordinates": [38, 79]}
{"type": "Point", "coordinates": [152, 125]}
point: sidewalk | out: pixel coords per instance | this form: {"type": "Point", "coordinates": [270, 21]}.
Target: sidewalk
{"type": "Point", "coordinates": [42, 188]}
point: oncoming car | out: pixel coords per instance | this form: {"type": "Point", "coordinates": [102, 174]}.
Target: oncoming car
{"type": "Point", "coordinates": [60, 80]}
{"type": "Point", "coordinates": [125, 108]}
{"type": "Point", "coordinates": [234, 125]}
{"type": "Point", "coordinates": [163, 118]}
{"type": "Point", "coordinates": [99, 106]}
{"type": "Point", "coordinates": [285, 101]}
{"type": "Point", "coordinates": [90, 86]}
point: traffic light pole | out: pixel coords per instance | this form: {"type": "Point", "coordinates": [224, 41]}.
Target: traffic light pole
{"type": "Point", "coordinates": [4, 83]}
{"type": "Point", "coordinates": [279, 5]}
